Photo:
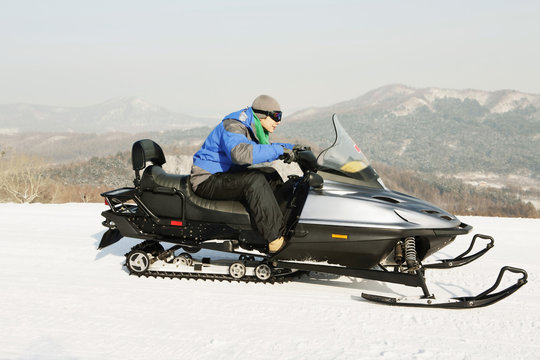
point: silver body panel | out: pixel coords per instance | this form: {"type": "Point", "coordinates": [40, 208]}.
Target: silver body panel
{"type": "Point", "coordinates": [339, 204]}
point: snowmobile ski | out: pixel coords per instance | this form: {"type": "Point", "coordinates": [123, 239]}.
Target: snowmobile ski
{"type": "Point", "coordinates": [484, 299]}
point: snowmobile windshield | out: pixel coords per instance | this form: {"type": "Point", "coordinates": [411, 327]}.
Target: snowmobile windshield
{"type": "Point", "coordinates": [343, 161]}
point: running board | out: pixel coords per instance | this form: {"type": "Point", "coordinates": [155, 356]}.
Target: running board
{"type": "Point", "coordinates": [484, 299]}
{"type": "Point", "coordinates": [461, 259]}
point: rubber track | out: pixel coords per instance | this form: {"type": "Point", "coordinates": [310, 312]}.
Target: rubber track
{"type": "Point", "coordinates": [217, 277]}
{"type": "Point", "coordinates": [151, 246]}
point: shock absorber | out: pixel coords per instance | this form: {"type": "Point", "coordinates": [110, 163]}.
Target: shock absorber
{"type": "Point", "coordinates": [398, 253]}
{"type": "Point", "coordinates": [411, 255]}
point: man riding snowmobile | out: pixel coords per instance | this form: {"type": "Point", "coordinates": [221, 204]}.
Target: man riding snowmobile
{"type": "Point", "coordinates": [340, 219]}
{"type": "Point", "coordinates": [220, 168]}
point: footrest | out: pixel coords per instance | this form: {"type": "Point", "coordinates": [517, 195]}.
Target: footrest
{"type": "Point", "coordinates": [226, 245]}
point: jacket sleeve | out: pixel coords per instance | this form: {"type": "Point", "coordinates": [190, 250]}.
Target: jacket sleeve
{"type": "Point", "coordinates": [242, 151]}
{"type": "Point", "coordinates": [286, 145]}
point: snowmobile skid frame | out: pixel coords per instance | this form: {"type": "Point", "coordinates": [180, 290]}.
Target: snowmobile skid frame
{"type": "Point", "coordinates": [151, 260]}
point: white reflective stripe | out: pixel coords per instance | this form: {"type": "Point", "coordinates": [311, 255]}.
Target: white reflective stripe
{"type": "Point", "coordinates": [243, 116]}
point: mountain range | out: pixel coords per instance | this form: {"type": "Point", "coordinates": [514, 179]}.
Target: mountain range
{"type": "Point", "coordinates": [132, 114]}
{"type": "Point", "coordinates": [401, 100]}
{"type": "Point", "coordinates": [126, 114]}
{"type": "Point", "coordinates": [432, 130]}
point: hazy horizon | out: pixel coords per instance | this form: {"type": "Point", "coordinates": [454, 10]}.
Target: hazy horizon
{"type": "Point", "coordinates": [210, 58]}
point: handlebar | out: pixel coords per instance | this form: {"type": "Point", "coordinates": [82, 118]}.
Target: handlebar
{"type": "Point", "coordinates": [304, 157]}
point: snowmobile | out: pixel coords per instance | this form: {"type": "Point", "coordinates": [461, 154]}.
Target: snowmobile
{"type": "Point", "coordinates": [340, 220]}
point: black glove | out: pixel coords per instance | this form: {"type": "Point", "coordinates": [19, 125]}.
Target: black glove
{"type": "Point", "coordinates": [288, 156]}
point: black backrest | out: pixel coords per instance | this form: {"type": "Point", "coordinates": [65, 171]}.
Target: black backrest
{"type": "Point", "coordinates": [143, 151]}
{"type": "Point", "coordinates": [146, 150]}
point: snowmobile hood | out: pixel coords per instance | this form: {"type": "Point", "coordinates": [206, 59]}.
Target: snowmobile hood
{"type": "Point", "coordinates": [349, 205]}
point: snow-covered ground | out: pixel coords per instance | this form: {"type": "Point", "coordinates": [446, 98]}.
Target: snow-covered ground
{"type": "Point", "coordinates": [62, 299]}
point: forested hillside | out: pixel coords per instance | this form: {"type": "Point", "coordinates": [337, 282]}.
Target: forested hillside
{"type": "Point", "coordinates": [84, 181]}
{"type": "Point", "coordinates": [456, 136]}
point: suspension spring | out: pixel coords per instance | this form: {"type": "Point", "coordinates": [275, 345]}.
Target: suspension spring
{"type": "Point", "coordinates": [411, 256]}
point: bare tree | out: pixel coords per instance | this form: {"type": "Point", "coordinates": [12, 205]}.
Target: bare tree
{"type": "Point", "coordinates": [22, 177]}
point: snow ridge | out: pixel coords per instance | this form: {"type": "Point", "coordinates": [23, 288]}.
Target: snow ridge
{"type": "Point", "coordinates": [402, 100]}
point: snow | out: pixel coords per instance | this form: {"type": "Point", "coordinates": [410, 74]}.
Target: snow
{"type": "Point", "coordinates": [404, 146]}
{"type": "Point", "coordinates": [8, 131]}
{"type": "Point", "coordinates": [432, 94]}
{"type": "Point", "coordinates": [62, 299]}
{"type": "Point", "coordinates": [54, 139]}
{"type": "Point", "coordinates": [511, 101]}
{"type": "Point", "coordinates": [409, 106]}
{"type": "Point", "coordinates": [303, 114]}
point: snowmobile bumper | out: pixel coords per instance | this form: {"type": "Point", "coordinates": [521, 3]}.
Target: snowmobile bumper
{"type": "Point", "coordinates": [462, 259]}
{"type": "Point", "coordinates": [484, 299]}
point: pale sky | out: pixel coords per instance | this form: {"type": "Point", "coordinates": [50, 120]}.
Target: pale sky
{"type": "Point", "coordinates": [212, 57]}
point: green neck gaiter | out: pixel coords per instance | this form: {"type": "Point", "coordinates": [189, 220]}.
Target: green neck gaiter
{"type": "Point", "coordinates": [262, 135]}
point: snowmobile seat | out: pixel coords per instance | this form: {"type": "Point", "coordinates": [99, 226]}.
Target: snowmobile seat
{"type": "Point", "coordinates": [161, 197]}
{"type": "Point", "coordinates": [224, 211]}
{"type": "Point", "coordinates": [170, 195]}
{"type": "Point", "coordinates": [156, 179]}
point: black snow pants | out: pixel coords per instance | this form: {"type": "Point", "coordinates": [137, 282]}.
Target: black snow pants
{"type": "Point", "coordinates": [255, 188]}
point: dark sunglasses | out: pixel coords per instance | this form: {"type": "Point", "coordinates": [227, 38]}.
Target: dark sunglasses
{"type": "Point", "coordinates": [274, 115]}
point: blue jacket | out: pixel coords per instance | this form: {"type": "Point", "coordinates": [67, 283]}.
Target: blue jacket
{"type": "Point", "coordinates": [233, 145]}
